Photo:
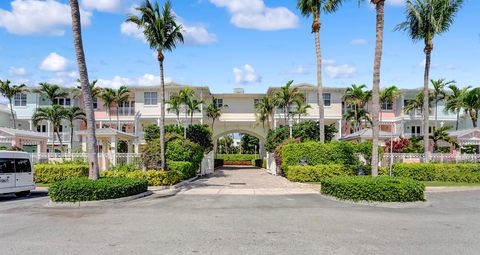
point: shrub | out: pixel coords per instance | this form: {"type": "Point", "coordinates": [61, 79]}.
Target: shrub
{"type": "Point", "coordinates": [124, 167]}
{"type": "Point", "coordinates": [83, 189]}
{"type": "Point", "coordinates": [154, 178]}
{"type": "Point", "coordinates": [318, 172]}
{"type": "Point", "coordinates": [49, 173]}
{"type": "Point", "coordinates": [237, 157]}
{"type": "Point", "coordinates": [365, 149]}
{"type": "Point", "coordinates": [316, 153]}
{"type": "Point", "coordinates": [218, 162]}
{"type": "Point", "coordinates": [367, 188]}
{"type": "Point", "coordinates": [185, 167]}
{"type": "Point", "coordinates": [237, 163]}
{"type": "Point", "coordinates": [448, 172]}
{"type": "Point", "coordinates": [199, 134]}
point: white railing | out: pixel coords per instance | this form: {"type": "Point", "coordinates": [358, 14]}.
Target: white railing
{"type": "Point", "coordinates": [271, 164]}
{"type": "Point", "coordinates": [435, 157]}
{"type": "Point", "coordinates": [207, 165]}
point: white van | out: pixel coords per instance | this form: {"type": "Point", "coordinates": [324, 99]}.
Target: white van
{"type": "Point", "coordinates": [16, 173]}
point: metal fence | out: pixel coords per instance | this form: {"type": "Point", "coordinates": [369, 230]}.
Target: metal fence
{"type": "Point", "coordinates": [436, 157]}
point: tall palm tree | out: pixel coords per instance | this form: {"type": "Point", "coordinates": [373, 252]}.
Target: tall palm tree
{"type": "Point", "coordinates": [416, 103]}
{"type": "Point", "coordinates": [425, 20]}
{"type": "Point", "coordinates": [441, 134]}
{"type": "Point", "coordinates": [388, 95]}
{"type": "Point", "coordinates": [174, 104]}
{"type": "Point", "coordinates": [162, 33]}
{"type": "Point", "coordinates": [357, 96]}
{"type": "Point", "coordinates": [357, 117]}
{"type": "Point", "coordinates": [301, 109]}
{"type": "Point", "coordinates": [439, 94]}
{"type": "Point", "coordinates": [54, 114]}
{"type": "Point", "coordinates": [95, 90]}
{"type": "Point", "coordinates": [314, 8]}
{"type": "Point", "coordinates": [285, 98]}
{"type": "Point", "coordinates": [121, 96]}
{"type": "Point", "coordinates": [87, 93]}
{"type": "Point", "coordinates": [193, 105]}
{"type": "Point", "coordinates": [108, 97]}
{"type": "Point", "coordinates": [455, 102]}
{"type": "Point", "coordinates": [71, 115]}
{"type": "Point", "coordinates": [214, 111]}
{"type": "Point", "coordinates": [471, 103]}
{"type": "Point", "coordinates": [265, 108]}
{"type": "Point", "coordinates": [9, 92]}
{"type": "Point", "coordinates": [50, 91]}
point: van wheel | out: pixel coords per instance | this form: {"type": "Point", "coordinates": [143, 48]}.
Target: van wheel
{"type": "Point", "coordinates": [22, 193]}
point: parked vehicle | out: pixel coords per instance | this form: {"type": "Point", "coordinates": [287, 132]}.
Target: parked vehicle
{"type": "Point", "coordinates": [16, 173]}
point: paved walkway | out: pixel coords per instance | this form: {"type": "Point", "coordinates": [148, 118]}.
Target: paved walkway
{"type": "Point", "coordinates": [245, 180]}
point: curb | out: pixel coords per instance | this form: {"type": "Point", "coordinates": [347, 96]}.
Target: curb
{"type": "Point", "coordinates": [391, 205]}
{"type": "Point", "coordinates": [167, 191]}
{"type": "Point", "coordinates": [52, 204]}
{"type": "Point", "coordinates": [450, 189]}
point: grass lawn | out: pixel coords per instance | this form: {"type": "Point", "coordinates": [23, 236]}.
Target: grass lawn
{"type": "Point", "coordinates": [42, 184]}
{"type": "Point", "coordinates": [449, 184]}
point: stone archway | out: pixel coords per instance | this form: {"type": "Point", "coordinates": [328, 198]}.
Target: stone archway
{"type": "Point", "coordinates": [234, 129]}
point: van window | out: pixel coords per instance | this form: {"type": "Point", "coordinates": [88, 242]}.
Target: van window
{"type": "Point", "coordinates": [22, 166]}
{"type": "Point", "coordinates": [7, 166]}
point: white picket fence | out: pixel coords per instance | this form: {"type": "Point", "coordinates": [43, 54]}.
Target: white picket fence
{"type": "Point", "coordinates": [436, 157]}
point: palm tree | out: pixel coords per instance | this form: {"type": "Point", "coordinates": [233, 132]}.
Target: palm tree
{"type": "Point", "coordinates": [301, 109]}
{"type": "Point", "coordinates": [193, 105]}
{"type": "Point", "coordinates": [314, 8]}
{"type": "Point", "coordinates": [95, 90]}
{"type": "Point", "coordinates": [162, 33]}
{"type": "Point", "coordinates": [388, 95]}
{"type": "Point", "coordinates": [471, 103]}
{"type": "Point", "coordinates": [108, 97]}
{"type": "Point", "coordinates": [87, 93]}
{"type": "Point", "coordinates": [416, 103]}
{"type": "Point", "coordinates": [357, 117]}
{"type": "Point", "coordinates": [357, 96]}
{"type": "Point", "coordinates": [439, 93]}
{"type": "Point", "coordinates": [425, 20]}
{"type": "Point", "coordinates": [54, 114]}
{"type": "Point", "coordinates": [71, 115]}
{"type": "Point", "coordinates": [121, 96]}
{"type": "Point", "coordinates": [455, 101]}
{"type": "Point", "coordinates": [441, 134]}
{"type": "Point", "coordinates": [50, 91]}
{"type": "Point", "coordinates": [285, 98]}
{"type": "Point", "coordinates": [214, 111]}
{"type": "Point", "coordinates": [175, 103]}
{"type": "Point", "coordinates": [9, 92]}
{"type": "Point", "coordinates": [265, 109]}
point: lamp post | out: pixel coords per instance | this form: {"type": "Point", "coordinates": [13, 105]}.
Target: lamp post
{"type": "Point", "coordinates": [290, 125]}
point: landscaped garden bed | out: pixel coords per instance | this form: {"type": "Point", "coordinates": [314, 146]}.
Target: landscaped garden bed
{"type": "Point", "coordinates": [153, 177]}
{"type": "Point", "coordinates": [319, 172]}
{"type": "Point", "coordinates": [49, 173]}
{"type": "Point", "coordinates": [239, 159]}
{"type": "Point", "coordinates": [378, 189]}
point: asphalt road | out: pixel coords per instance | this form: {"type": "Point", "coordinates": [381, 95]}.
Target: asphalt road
{"type": "Point", "coordinates": [238, 224]}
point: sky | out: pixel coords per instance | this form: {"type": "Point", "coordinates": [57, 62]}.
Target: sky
{"type": "Point", "coordinates": [249, 44]}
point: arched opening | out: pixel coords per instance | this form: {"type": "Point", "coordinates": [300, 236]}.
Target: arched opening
{"type": "Point", "coordinates": [239, 146]}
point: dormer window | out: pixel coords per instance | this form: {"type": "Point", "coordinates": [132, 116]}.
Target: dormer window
{"type": "Point", "coordinates": [20, 99]}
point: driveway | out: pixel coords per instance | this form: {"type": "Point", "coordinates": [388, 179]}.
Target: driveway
{"type": "Point", "coordinates": [245, 180]}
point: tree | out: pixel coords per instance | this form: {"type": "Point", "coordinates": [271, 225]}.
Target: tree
{"type": "Point", "coordinates": [87, 93]}
{"type": "Point", "coordinates": [314, 8]}
{"type": "Point", "coordinates": [357, 117]}
{"type": "Point", "coordinates": [95, 90]}
{"type": "Point", "coordinates": [441, 134]}
{"type": "Point", "coordinates": [54, 114]}
{"type": "Point", "coordinates": [265, 109]}
{"type": "Point", "coordinates": [71, 115]}
{"type": "Point", "coordinates": [120, 96]}
{"type": "Point", "coordinates": [357, 96]}
{"type": "Point", "coordinates": [50, 91]}
{"type": "Point", "coordinates": [285, 98]}
{"type": "Point", "coordinates": [439, 94]}
{"type": "Point", "coordinates": [162, 33]}
{"type": "Point", "coordinates": [108, 97]}
{"type": "Point", "coordinates": [425, 20]}
{"type": "Point", "coordinates": [9, 92]}
{"type": "Point", "coordinates": [389, 95]}
{"type": "Point", "coordinates": [193, 105]}
{"type": "Point", "coordinates": [249, 144]}
{"type": "Point", "coordinates": [174, 106]}
{"type": "Point", "coordinates": [214, 111]}
{"type": "Point", "coordinates": [416, 103]}
{"type": "Point", "coordinates": [471, 103]}
{"type": "Point", "coordinates": [455, 101]}
{"type": "Point", "coordinates": [301, 108]}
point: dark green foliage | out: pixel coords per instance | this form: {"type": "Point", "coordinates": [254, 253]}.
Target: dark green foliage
{"type": "Point", "coordinates": [414, 145]}
{"type": "Point", "coordinates": [218, 162]}
{"type": "Point", "coordinates": [306, 131]}
{"type": "Point", "coordinates": [469, 149]}
{"type": "Point", "coordinates": [237, 157]}
{"type": "Point", "coordinates": [365, 149]}
{"type": "Point", "coordinates": [249, 144]}
{"type": "Point", "coordinates": [258, 162]}
{"type": "Point", "coordinates": [367, 188]}
{"type": "Point", "coordinates": [124, 167]}
{"type": "Point", "coordinates": [151, 132]}
{"type": "Point", "coordinates": [122, 147]}
{"type": "Point", "coordinates": [154, 178]}
{"type": "Point", "coordinates": [199, 134]}
{"type": "Point", "coordinates": [83, 189]}
{"type": "Point", "coordinates": [49, 173]}
{"type": "Point", "coordinates": [447, 172]}
{"type": "Point", "coordinates": [188, 169]}
{"type": "Point", "coordinates": [318, 172]}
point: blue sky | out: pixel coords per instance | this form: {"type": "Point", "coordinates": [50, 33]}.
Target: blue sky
{"type": "Point", "coordinates": [251, 44]}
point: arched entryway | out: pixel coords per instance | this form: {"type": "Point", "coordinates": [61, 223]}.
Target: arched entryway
{"type": "Point", "coordinates": [261, 137]}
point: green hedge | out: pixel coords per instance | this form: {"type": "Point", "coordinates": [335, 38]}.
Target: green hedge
{"type": "Point", "coordinates": [49, 173]}
{"type": "Point", "coordinates": [237, 157]}
{"type": "Point", "coordinates": [186, 168]}
{"type": "Point", "coordinates": [447, 172]}
{"type": "Point", "coordinates": [83, 189]}
{"type": "Point", "coordinates": [316, 153]}
{"type": "Point", "coordinates": [154, 178]}
{"type": "Point", "coordinates": [319, 172]}
{"type": "Point", "coordinates": [366, 188]}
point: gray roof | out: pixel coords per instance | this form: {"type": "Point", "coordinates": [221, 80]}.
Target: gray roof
{"type": "Point", "coordinates": [367, 134]}
{"type": "Point", "coordinates": [23, 133]}
{"type": "Point", "coordinates": [107, 132]}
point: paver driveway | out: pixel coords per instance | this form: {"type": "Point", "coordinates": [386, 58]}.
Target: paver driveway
{"type": "Point", "coordinates": [245, 180]}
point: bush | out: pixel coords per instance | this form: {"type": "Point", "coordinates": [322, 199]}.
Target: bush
{"type": "Point", "coordinates": [199, 134]}
{"type": "Point", "coordinates": [49, 173]}
{"type": "Point", "coordinates": [365, 149]}
{"type": "Point", "coordinates": [82, 189]}
{"type": "Point", "coordinates": [154, 178]}
{"type": "Point", "coordinates": [237, 157]}
{"type": "Point", "coordinates": [447, 172]}
{"type": "Point", "coordinates": [218, 162]}
{"type": "Point", "coordinates": [366, 188]}
{"type": "Point", "coordinates": [124, 167]}
{"type": "Point", "coordinates": [316, 153]}
{"type": "Point", "coordinates": [319, 172]}
{"type": "Point", "coordinates": [185, 167]}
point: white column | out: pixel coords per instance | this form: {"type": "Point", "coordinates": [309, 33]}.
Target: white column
{"type": "Point", "coordinates": [113, 150]}
{"type": "Point", "coordinates": [339, 126]}
{"type": "Point", "coordinates": [31, 125]}
{"type": "Point", "coordinates": [158, 122]}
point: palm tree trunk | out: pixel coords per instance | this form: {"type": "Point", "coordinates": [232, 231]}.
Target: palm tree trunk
{"type": "Point", "coordinates": [71, 137]}
{"type": "Point", "coordinates": [436, 109]}
{"type": "Point", "coordinates": [82, 70]}
{"type": "Point", "coordinates": [458, 119]}
{"type": "Point", "coordinates": [60, 140]}
{"type": "Point", "coordinates": [426, 140]}
{"type": "Point", "coordinates": [321, 119]}
{"type": "Point", "coordinates": [163, 164]}
{"type": "Point", "coordinates": [376, 85]}
{"type": "Point", "coordinates": [118, 120]}
{"type": "Point", "coordinates": [13, 115]}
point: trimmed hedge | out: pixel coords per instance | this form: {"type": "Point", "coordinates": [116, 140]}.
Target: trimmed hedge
{"type": "Point", "coordinates": [237, 162]}
{"type": "Point", "coordinates": [381, 189]}
{"type": "Point", "coordinates": [447, 172]}
{"type": "Point", "coordinates": [319, 172]}
{"type": "Point", "coordinates": [237, 157]}
{"type": "Point", "coordinates": [153, 178]}
{"type": "Point", "coordinates": [82, 189]}
{"type": "Point", "coordinates": [186, 168]}
{"type": "Point", "coordinates": [49, 173]}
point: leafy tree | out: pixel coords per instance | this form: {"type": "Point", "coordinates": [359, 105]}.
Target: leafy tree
{"type": "Point", "coordinates": [151, 132]}
{"type": "Point", "coordinates": [54, 114]}
{"type": "Point", "coordinates": [285, 98]}
{"type": "Point", "coordinates": [71, 115]}
{"type": "Point", "coordinates": [249, 143]}
{"type": "Point", "coordinates": [265, 108]}
{"type": "Point", "coordinates": [162, 33]}
{"type": "Point", "coordinates": [121, 96]}
{"type": "Point", "coordinates": [441, 134]}
{"type": "Point", "coordinates": [9, 92]}
{"type": "Point", "coordinates": [455, 101]}
{"type": "Point", "coordinates": [471, 103]}
{"type": "Point", "coordinates": [108, 97]}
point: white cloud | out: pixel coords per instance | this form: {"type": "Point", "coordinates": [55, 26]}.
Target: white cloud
{"type": "Point", "coordinates": [132, 30]}
{"type": "Point", "coordinates": [254, 14]}
{"type": "Point", "coordinates": [55, 63]}
{"type": "Point", "coordinates": [103, 5]}
{"type": "Point", "coordinates": [300, 69]}
{"type": "Point", "coordinates": [17, 71]}
{"type": "Point", "coordinates": [39, 17]}
{"type": "Point", "coordinates": [341, 71]}
{"type": "Point", "coordinates": [359, 41]}
{"type": "Point", "coordinates": [396, 2]}
{"type": "Point", "coordinates": [246, 75]}
{"type": "Point", "coordinates": [329, 61]}
{"type": "Point", "coordinates": [145, 80]}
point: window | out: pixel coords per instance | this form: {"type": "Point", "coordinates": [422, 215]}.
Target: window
{"type": "Point", "coordinates": [387, 106]}
{"type": "Point", "coordinates": [150, 98]}
{"type": "Point", "coordinates": [256, 101]}
{"type": "Point", "coordinates": [327, 99]}
{"type": "Point", "coordinates": [95, 103]}
{"type": "Point", "coordinates": [405, 102]}
{"type": "Point", "coordinates": [7, 166]}
{"type": "Point", "coordinates": [66, 102]}
{"type": "Point", "coordinates": [219, 102]}
{"type": "Point", "coordinates": [42, 128]}
{"type": "Point", "coordinates": [20, 99]}
{"type": "Point", "coordinates": [431, 129]}
{"type": "Point", "coordinates": [415, 130]}
{"type": "Point", "coordinates": [22, 166]}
